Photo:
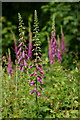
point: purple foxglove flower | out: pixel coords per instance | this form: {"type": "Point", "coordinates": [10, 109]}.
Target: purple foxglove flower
{"type": "Point", "coordinates": [59, 55]}
{"type": "Point", "coordinates": [31, 74]}
{"type": "Point", "coordinates": [30, 43]}
{"type": "Point", "coordinates": [41, 89]}
{"type": "Point", "coordinates": [38, 93]}
{"type": "Point", "coordinates": [20, 44]}
{"type": "Point", "coordinates": [18, 52]}
{"type": "Point", "coordinates": [41, 61]}
{"type": "Point", "coordinates": [22, 48]}
{"type": "Point", "coordinates": [30, 67]}
{"type": "Point", "coordinates": [22, 69]}
{"type": "Point", "coordinates": [41, 72]}
{"type": "Point", "coordinates": [26, 48]}
{"type": "Point", "coordinates": [32, 83]}
{"type": "Point", "coordinates": [40, 77]}
{"type": "Point", "coordinates": [35, 61]}
{"type": "Point", "coordinates": [40, 80]}
{"type": "Point", "coordinates": [27, 56]}
{"type": "Point", "coordinates": [37, 66]}
{"type": "Point", "coordinates": [37, 54]}
{"type": "Point", "coordinates": [50, 52]}
{"type": "Point", "coordinates": [40, 65]}
{"type": "Point", "coordinates": [23, 54]}
{"type": "Point", "coordinates": [25, 64]}
{"type": "Point", "coordinates": [38, 57]}
{"type": "Point", "coordinates": [53, 36]}
{"type": "Point", "coordinates": [35, 73]}
{"type": "Point", "coordinates": [21, 65]}
{"type": "Point", "coordinates": [18, 56]}
{"type": "Point", "coordinates": [52, 46]}
{"type": "Point", "coordinates": [35, 89]}
{"type": "Point", "coordinates": [19, 60]}
{"type": "Point", "coordinates": [31, 92]}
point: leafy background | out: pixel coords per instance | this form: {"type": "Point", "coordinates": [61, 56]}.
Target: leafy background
{"type": "Point", "coordinates": [66, 14]}
{"type": "Point", "coordinates": [61, 81]}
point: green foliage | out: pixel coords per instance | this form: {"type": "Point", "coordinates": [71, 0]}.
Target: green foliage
{"type": "Point", "coordinates": [58, 100]}
{"type": "Point", "coordinates": [7, 36]}
{"type": "Point", "coordinates": [64, 15]}
{"type": "Point", "coordinates": [61, 85]}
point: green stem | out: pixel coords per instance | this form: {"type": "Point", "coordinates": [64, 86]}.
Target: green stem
{"type": "Point", "coordinates": [36, 101]}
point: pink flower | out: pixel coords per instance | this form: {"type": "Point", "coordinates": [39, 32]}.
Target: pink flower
{"type": "Point", "coordinates": [38, 93]}
{"type": "Point", "coordinates": [40, 65]}
{"type": "Point", "coordinates": [19, 60]}
{"type": "Point", "coordinates": [35, 74]}
{"type": "Point", "coordinates": [23, 54]}
{"type": "Point", "coordinates": [31, 74]}
{"type": "Point", "coordinates": [41, 72]}
{"type": "Point", "coordinates": [32, 83]}
{"type": "Point", "coordinates": [41, 89]}
{"type": "Point", "coordinates": [40, 80]}
{"type": "Point", "coordinates": [35, 89]}
{"type": "Point", "coordinates": [26, 47]}
{"type": "Point", "coordinates": [31, 92]}
{"type": "Point", "coordinates": [44, 98]}
{"type": "Point", "coordinates": [59, 55]}
{"type": "Point", "coordinates": [25, 64]}
{"type": "Point", "coordinates": [20, 44]}
{"type": "Point", "coordinates": [30, 67]}
{"type": "Point", "coordinates": [22, 69]}
{"type": "Point", "coordinates": [18, 52]}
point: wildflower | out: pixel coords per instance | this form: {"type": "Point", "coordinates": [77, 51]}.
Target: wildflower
{"type": "Point", "coordinates": [30, 43]}
{"type": "Point", "coordinates": [37, 61]}
{"type": "Point", "coordinates": [38, 93]}
{"type": "Point", "coordinates": [22, 48]}
{"type": "Point", "coordinates": [52, 43]}
{"type": "Point", "coordinates": [59, 54]}
{"type": "Point", "coordinates": [50, 51]}
{"type": "Point", "coordinates": [32, 83]}
{"type": "Point", "coordinates": [41, 89]}
{"type": "Point", "coordinates": [39, 80]}
{"type": "Point", "coordinates": [30, 67]}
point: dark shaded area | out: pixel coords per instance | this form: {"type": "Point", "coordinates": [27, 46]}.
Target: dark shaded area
{"type": "Point", "coordinates": [67, 14]}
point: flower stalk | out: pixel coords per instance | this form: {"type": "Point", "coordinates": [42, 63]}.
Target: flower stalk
{"type": "Point", "coordinates": [59, 54]}
{"type": "Point", "coordinates": [38, 73]}
{"type": "Point", "coordinates": [30, 43]}
{"type": "Point", "coordinates": [22, 48]}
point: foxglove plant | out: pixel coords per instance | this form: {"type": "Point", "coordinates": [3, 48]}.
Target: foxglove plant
{"type": "Point", "coordinates": [53, 42]}
{"type": "Point", "coordinates": [10, 71]}
{"type": "Point", "coordinates": [50, 51]}
{"type": "Point", "coordinates": [63, 42]}
{"type": "Point", "coordinates": [59, 54]}
{"type": "Point", "coordinates": [22, 48]}
{"type": "Point", "coordinates": [30, 43]}
{"type": "Point", "coordinates": [38, 73]}
{"type": "Point", "coordinates": [53, 45]}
